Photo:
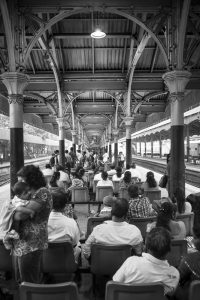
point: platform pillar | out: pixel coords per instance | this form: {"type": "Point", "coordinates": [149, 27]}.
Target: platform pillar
{"type": "Point", "coordinates": [140, 148]}
{"type": "Point", "coordinates": [110, 148]}
{"type": "Point", "coordinates": [188, 141]}
{"type": "Point", "coordinates": [115, 134]}
{"type": "Point", "coordinates": [151, 146]}
{"type": "Point", "coordinates": [15, 83]}
{"type": "Point", "coordinates": [160, 145]}
{"type": "Point", "coordinates": [128, 122]}
{"type": "Point", "coordinates": [74, 134]}
{"type": "Point", "coordinates": [176, 81]}
{"type": "Point", "coordinates": [145, 147]}
{"type": "Point", "coordinates": [61, 130]}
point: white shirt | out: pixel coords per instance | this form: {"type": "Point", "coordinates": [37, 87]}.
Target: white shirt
{"type": "Point", "coordinates": [105, 157]}
{"type": "Point", "coordinates": [62, 229]}
{"type": "Point", "coordinates": [64, 176]}
{"type": "Point", "coordinates": [115, 178]}
{"type": "Point", "coordinates": [105, 183]}
{"type": "Point", "coordinates": [111, 172]}
{"type": "Point", "coordinates": [113, 233]}
{"type": "Point", "coordinates": [134, 173]}
{"type": "Point", "coordinates": [47, 172]}
{"type": "Point", "coordinates": [16, 201]}
{"type": "Point", "coordinates": [97, 177]}
{"type": "Point", "coordinates": [148, 269]}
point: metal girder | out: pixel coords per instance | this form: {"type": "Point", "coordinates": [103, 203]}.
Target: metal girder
{"type": "Point", "coordinates": [152, 109]}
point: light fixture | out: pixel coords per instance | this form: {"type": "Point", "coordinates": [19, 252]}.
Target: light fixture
{"type": "Point", "coordinates": [97, 33]}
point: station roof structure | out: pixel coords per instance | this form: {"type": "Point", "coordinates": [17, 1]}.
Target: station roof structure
{"type": "Point", "coordinates": [54, 41]}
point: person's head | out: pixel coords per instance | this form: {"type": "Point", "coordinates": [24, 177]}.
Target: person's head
{"type": "Point", "coordinates": [158, 242]}
{"type": "Point", "coordinates": [179, 198]}
{"type": "Point", "coordinates": [48, 166]}
{"type": "Point", "coordinates": [76, 175]}
{"type": "Point", "coordinates": [128, 167]}
{"type": "Point", "coordinates": [166, 213]}
{"type": "Point", "coordinates": [53, 155]}
{"type": "Point", "coordinates": [32, 176]}
{"type": "Point", "coordinates": [151, 180]}
{"type": "Point", "coordinates": [119, 208]}
{"type": "Point", "coordinates": [79, 151]}
{"type": "Point", "coordinates": [81, 172]}
{"type": "Point", "coordinates": [59, 200]}
{"type": "Point", "coordinates": [56, 152]}
{"type": "Point", "coordinates": [66, 151]}
{"type": "Point", "coordinates": [20, 188]}
{"type": "Point", "coordinates": [133, 165]}
{"type": "Point", "coordinates": [59, 168]}
{"type": "Point", "coordinates": [112, 167]}
{"type": "Point", "coordinates": [104, 175]}
{"type": "Point", "coordinates": [127, 177]}
{"type": "Point", "coordinates": [168, 157]}
{"type": "Point", "coordinates": [55, 177]}
{"type": "Point", "coordinates": [133, 191]}
{"type": "Point", "coordinates": [196, 235]}
{"type": "Point", "coordinates": [108, 200]}
{"type": "Point", "coordinates": [72, 149]}
{"type": "Point", "coordinates": [119, 172]}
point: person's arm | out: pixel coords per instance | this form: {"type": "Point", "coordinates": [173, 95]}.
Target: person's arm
{"type": "Point", "coordinates": [88, 245]}
{"type": "Point", "coordinates": [25, 210]}
{"type": "Point", "coordinates": [138, 249]}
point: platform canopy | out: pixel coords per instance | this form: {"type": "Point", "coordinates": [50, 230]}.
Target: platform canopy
{"type": "Point", "coordinates": [53, 45]}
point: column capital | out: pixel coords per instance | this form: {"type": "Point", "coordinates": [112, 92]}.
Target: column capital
{"type": "Point", "coordinates": [15, 82]}
{"type": "Point", "coordinates": [15, 99]}
{"type": "Point", "coordinates": [176, 81]}
{"type": "Point", "coordinates": [115, 132]}
{"type": "Point", "coordinates": [128, 121]}
{"type": "Point", "coordinates": [74, 132]}
{"type": "Point", "coordinates": [60, 121]}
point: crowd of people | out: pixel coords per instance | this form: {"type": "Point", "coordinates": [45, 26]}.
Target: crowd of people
{"type": "Point", "coordinates": [41, 213]}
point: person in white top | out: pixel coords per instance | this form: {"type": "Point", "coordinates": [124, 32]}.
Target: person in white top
{"type": "Point", "coordinates": [118, 176]}
{"type": "Point", "coordinates": [116, 231]}
{"type": "Point", "coordinates": [105, 157]}
{"type": "Point", "coordinates": [133, 170]}
{"type": "Point", "coordinates": [104, 180]}
{"type": "Point", "coordinates": [60, 227]}
{"type": "Point", "coordinates": [97, 176]}
{"type": "Point", "coordinates": [112, 170]}
{"type": "Point", "coordinates": [152, 267]}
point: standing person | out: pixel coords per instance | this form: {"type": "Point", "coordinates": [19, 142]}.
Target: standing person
{"type": "Point", "coordinates": [73, 157]}
{"type": "Point", "coordinates": [68, 160]}
{"type": "Point", "coordinates": [52, 160]}
{"type": "Point", "coordinates": [33, 234]}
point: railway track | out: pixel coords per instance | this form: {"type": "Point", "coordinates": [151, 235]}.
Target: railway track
{"type": "Point", "coordinates": [5, 176]}
{"type": "Point", "coordinates": [191, 176]}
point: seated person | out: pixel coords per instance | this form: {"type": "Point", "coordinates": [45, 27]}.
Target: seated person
{"type": "Point", "coordinates": [119, 175]}
{"type": "Point", "coordinates": [134, 172]}
{"type": "Point", "coordinates": [54, 183]}
{"type": "Point", "coordinates": [108, 203]}
{"type": "Point", "coordinates": [64, 180]}
{"type": "Point", "coordinates": [139, 206]}
{"type": "Point", "coordinates": [150, 183]}
{"type": "Point", "coordinates": [116, 231]}
{"type": "Point", "coordinates": [60, 227]}
{"type": "Point", "coordinates": [83, 177]}
{"type": "Point", "coordinates": [152, 267]}
{"type": "Point", "coordinates": [166, 218]}
{"type": "Point", "coordinates": [126, 181]}
{"type": "Point", "coordinates": [183, 206]}
{"type": "Point", "coordinates": [97, 176]}
{"type": "Point", "coordinates": [112, 170]}
{"type": "Point", "coordinates": [189, 267]}
{"type": "Point", "coordinates": [76, 182]}
{"type": "Point", "coordinates": [104, 180]}
{"type": "Point", "coordinates": [48, 173]}
{"type": "Point", "coordinates": [156, 204]}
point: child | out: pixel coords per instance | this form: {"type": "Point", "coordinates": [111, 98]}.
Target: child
{"type": "Point", "coordinates": [19, 203]}
{"type": "Point", "coordinates": [106, 210]}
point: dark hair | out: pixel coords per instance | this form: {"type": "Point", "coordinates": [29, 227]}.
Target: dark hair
{"type": "Point", "coordinates": [127, 177]}
{"type": "Point", "coordinates": [48, 166]}
{"type": "Point", "coordinates": [112, 167]}
{"type": "Point", "coordinates": [66, 151]}
{"type": "Point", "coordinates": [133, 191]}
{"type": "Point", "coordinates": [59, 168]}
{"type": "Point", "coordinates": [104, 175]}
{"type": "Point", "coordinates": [196, 234]}
{"type": "Point", "coordinates": [179, 198]}
{"type": "Point", "coordinates": [19, 188]}
{"type": "Point", "coordinates": [165, 214]}
{"type": "Point", "coordinates": [59, 200]}
{"type": "Point", "coordinates": [120, 208]}
{"type": "Point", "coordinates": [54, 178]}
{"type": "Point", "coordinates": [158, 241]}
{"type": "Point", "coordinates": [133, 165]}
{"type": "Point", "coordinates": [128, 167]}
{"type": "Point", "coordinates": [81, 172]}
{"type": "Point", "coordinates": [168, 157]}
{"type": "Point", "coordinates": [77, 175]}
{"type": "Point", "coordinates": [151, 180]}
{"type": "Point", "coordinates": [119, 172]}
{"type": "Point", "coordinates": [33, 176]}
